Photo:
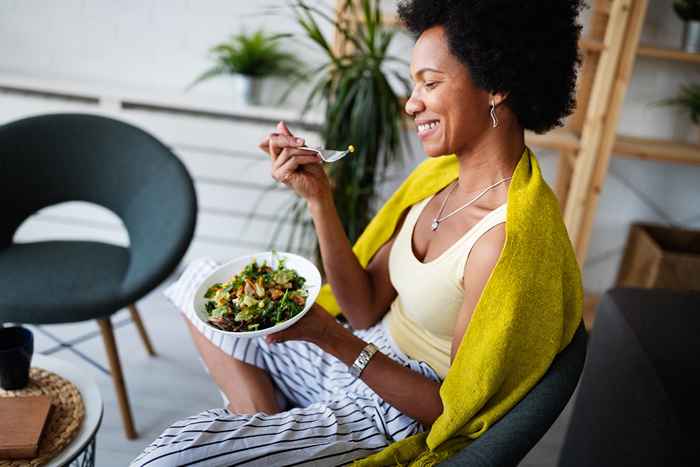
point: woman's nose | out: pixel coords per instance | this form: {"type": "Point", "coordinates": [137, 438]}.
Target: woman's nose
{"type": "Point", "coordinates": [413, 105]}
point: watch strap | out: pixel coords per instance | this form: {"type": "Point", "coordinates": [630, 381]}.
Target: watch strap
{"type": "Point", "coordinates": [363, 359]}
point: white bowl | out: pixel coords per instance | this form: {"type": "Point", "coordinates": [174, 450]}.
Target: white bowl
{"type": "Point", "coordinates": [223, 273]}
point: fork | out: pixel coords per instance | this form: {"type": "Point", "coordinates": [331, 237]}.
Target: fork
{"type": "Point", "coordinates": [329, 155]}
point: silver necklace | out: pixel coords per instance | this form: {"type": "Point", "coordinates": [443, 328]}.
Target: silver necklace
{"type": "Point", "coordinates": [437, 220]}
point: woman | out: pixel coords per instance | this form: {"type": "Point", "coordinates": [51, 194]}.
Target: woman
{"type": "Point", "coordinates": [482, 76]}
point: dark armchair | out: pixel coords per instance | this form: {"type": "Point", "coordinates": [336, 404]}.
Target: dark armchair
{"type": "Point", "coordinates": [50, 159]}
{"type": "Point", "coordinates": [637, 401]}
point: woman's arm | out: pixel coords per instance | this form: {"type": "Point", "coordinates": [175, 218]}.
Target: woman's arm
{"type": "Point", "coordinates": [363, 294]}
{"type": "Point", "coordinates": [482, 259]}
{"type": "Point", "coordinates": [409, 391]}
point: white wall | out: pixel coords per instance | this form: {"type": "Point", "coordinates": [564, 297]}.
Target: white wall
{"type": "Point", "coordinates": [149, 44]}
{"type": "Point", "coordinates": [156, 47]}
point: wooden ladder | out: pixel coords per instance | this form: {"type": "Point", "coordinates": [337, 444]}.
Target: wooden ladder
{"type": "Point", "coordinates": [610, 51]}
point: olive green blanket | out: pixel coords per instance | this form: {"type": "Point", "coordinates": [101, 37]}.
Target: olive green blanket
{"type": "Point", "coordinates": [528, 312]}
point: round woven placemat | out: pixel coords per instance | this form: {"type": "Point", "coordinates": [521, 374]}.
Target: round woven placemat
{"type": "Point", "coordinates": [67, 413]}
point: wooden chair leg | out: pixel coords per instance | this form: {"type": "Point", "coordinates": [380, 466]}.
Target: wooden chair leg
{"type": "Point", "coordinates": [136, 318]}
{"type": "Point", "coordinates": [117, 376]}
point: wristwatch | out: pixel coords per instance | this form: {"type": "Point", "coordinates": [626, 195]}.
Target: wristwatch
{"type": "Point", "coordinates": [363, 359]}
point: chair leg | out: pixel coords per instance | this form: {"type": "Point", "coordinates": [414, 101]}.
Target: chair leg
{"type": "Point", "coordinates": [136, 318]}
{"type": "Point", "coordinates": [117, 376]}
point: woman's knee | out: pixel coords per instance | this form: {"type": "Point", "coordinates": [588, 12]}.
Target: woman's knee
{"type": "Point", "coordinates": [174, 446]}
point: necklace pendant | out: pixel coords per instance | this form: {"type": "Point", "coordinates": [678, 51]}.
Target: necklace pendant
{"type": "Point", "coordinates": [435, 225]}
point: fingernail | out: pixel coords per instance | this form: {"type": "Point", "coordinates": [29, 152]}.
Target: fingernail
{"type": "Point", "coordinates": [299, 141]}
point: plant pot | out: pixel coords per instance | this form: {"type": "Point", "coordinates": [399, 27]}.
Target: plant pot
{"type": "Point", "coordinates": [691, 36]}
{"type": "Point", "coordinates": [248, 89]}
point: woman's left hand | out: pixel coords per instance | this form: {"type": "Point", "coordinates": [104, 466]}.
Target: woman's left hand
{"type": "Point", "coordinates": [313, 327]}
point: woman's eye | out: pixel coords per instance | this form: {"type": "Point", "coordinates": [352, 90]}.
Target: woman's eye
{"type": "Point", "coordinates": [431, 84]}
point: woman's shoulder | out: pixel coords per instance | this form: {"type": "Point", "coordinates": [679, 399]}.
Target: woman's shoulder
{"type": "Point", "coordinates": [486, 251]}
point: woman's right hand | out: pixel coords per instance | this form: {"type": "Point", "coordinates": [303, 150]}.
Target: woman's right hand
{"type": "Point", "coordinates": [299, 169]}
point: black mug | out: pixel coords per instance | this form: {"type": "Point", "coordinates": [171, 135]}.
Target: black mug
{"type": "Point", "coordinates": [16, 349]}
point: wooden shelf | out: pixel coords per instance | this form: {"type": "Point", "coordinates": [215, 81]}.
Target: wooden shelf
{"type": "Point", "coordinates": [668, 54]}
{"type": "Point", "coordinates": [657, 150]}
{"type": "Point", "coordinates": [625, 146]}
{"type": "Point", "coordinates": [650, 51]}
{"type": "Point", "coordinates": [560, 139]}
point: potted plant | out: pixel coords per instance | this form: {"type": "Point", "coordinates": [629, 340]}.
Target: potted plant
{"type": "Point", "coordinates": [688, 99]}
{"type": "Point", "coordinates": [362, 108]}
{"type": "Point", "coordinates": [249, 58]}
{"type": "Point", "coordinates": [689, 12]}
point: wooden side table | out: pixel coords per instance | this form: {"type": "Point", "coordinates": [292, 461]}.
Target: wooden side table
{"type": "Point", "coordinates": [81, 450]}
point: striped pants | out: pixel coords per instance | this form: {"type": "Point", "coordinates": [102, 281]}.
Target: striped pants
{"type": "Point", "coordinates": [335, 418]}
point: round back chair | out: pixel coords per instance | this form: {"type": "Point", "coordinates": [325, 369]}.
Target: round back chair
{"type": "Point", "coordinates": [50, 159]}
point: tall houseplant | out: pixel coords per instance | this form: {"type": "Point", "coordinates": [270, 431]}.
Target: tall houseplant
{"type": "Point", "coordinates": [362, 108]}
{"type": "Point", "coordinates": [249, 58]}
{"type": "Point", "coordinates": [689, 12]}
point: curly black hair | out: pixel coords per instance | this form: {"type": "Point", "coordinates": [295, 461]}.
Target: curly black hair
{"type": "Point", "coordinates": [527, 49]}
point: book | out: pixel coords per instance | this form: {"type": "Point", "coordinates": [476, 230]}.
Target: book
{"type": "Point", "coordinates": [22, 421]}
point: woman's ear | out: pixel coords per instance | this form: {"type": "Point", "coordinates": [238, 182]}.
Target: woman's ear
{"type": "Point", "coordinates": [498, 97]}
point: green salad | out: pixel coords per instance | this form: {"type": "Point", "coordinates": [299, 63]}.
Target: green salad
{"type": "Point", "coordinates": [257, 298]}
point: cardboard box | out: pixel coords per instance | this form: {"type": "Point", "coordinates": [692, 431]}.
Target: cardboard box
{"type": "Point", "coordinates": [663, 257]}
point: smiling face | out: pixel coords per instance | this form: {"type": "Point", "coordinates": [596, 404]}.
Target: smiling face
{"type": "Point", "coordinates": [451, 113]}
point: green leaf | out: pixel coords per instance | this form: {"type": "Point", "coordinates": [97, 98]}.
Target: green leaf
{"type": "Point", "coordinates": [211, 291]}
{"type": "Point", "coordinates": [210, 73]}
{"type": "Point", "coordinates": [219, 312]}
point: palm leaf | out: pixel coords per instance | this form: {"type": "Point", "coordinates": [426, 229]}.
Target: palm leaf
{"type": "Point", "coordinates": [688, 99]}
{"type": "Point", "coordinates": [346, 33]}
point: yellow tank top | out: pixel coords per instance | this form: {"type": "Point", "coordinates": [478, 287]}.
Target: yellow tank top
{"type": "Point", "coordinates": [422, 317]}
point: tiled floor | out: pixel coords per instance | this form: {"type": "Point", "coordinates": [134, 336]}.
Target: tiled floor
{"type": "Point", "coordinates": [170, 386]}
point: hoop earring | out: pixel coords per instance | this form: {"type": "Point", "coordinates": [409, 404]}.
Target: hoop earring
{"type": "Point", "coordinates": [494, 120]}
